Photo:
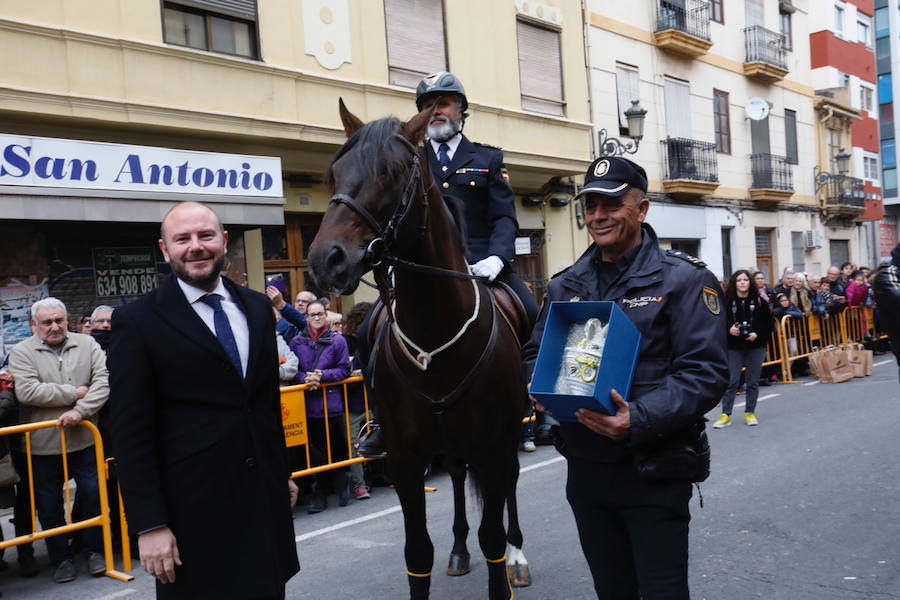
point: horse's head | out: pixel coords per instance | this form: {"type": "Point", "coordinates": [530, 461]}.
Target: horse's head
{"type": "Point", "coordinates": [373, 194]}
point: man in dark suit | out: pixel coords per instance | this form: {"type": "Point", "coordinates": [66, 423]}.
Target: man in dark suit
{"type": "Point", "coordinates": [196, 423]}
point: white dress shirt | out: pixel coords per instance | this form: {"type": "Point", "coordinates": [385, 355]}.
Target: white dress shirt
{"type": "Point", "coordinates": [236, 317]}
{"type": "Point", "coordinates": [452, 145]}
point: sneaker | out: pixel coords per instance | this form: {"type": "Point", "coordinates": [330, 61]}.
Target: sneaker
{"type": "Point", "coordinates": [723, 421]}
{"type": "Point", "coordinates": [65, 571]}
{"type": "Point", "coordinates": [362, 492]}
{"type": "Point", "coordinates": [750, 419]}
{"type": "Point", "coordinates": [372, 444]}
{"type": "Point", "coordinates": [741, 391]}
{"type": "Point", "coordinates": [528, 446]}
{"type": "Point", "coordinates": [96, 564]}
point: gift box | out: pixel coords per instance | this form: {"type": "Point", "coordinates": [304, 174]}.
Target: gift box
{"type": "Point", "coordinates": [616, 362]}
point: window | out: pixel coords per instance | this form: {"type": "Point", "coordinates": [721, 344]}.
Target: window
{"type": "Point", "coordinates": [866, 97]}
{"type": "Point", "coordinates": [790, 136]}
{"type": "Point", "coordinates": [839, 20]}
{"type": "Point", "coordinates": [889, 183]}
{"type": "Point", "coordinates": [885, 89]}
{"type": "Point", "coordinates": [229, 28]}
{"type": "Point", "coordinates": [786, 30]}
{"type": "Point", "coordinates": [540, 68]}
{"type": "Point", "coordinates": [727, 265]}
{"type": "Point", "coordinates": [888, 153]}
{"type": "Point", "coordinates": [415, 40]}
{"type": "Point", "coordinates": [835, 147]}
{"type": "Point", "coordinates": [722, 121]}
{"type": "Point", "coordinates": [882, 25]}
{"type": "Point", "coordinates": [798, 247]}
{"type": "Point", "coordinates": [864, 32]}
{"type": "Point", "coordinates": [870, 167]}
{"type": "Point", "coordinates": [715, 11]}
{"type": "Point", "coordinates": [678, 108]}
{"type": "Point", "coordinates": [627, 89]}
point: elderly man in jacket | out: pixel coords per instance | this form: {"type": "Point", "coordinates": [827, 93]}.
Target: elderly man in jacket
{"type": "Point", "coordinates": [61, 376]}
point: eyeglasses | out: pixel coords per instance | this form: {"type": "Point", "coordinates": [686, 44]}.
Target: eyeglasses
{"type": "Point", "coordinates": [315, 315]}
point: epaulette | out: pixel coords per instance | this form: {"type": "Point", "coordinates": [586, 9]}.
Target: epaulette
{"type": "Point", "coordinates": [488, 146]}
{"type": "Point", "coordinates": [686, 257]}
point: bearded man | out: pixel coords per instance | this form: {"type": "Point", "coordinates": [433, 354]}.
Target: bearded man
{"type": "Point", "coordinates": [196, 423]}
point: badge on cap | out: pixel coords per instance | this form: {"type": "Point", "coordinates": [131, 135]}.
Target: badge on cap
{"type": "Point", "coordinates": [602, 168]}
{"type": "Point", "coordinates": [711, 300]}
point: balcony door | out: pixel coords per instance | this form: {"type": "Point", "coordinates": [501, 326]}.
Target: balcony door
{"type": "Point", "coordinates": [754, 13]}
{"type": "Point", "coordinates": [678, 108]}
{"type": "Point", "coordinates": [759, 136]}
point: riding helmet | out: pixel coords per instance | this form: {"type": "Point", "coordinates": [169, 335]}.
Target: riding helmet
{"type": "Point", "coordinates": [442, 83]}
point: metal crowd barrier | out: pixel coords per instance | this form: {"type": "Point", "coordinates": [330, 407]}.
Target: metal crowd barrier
{"type": "Point", "coordinates": [797, 338]}
{"type": "Point", "coordinates": [102, 520]}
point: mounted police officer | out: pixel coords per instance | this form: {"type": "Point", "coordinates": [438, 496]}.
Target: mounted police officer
{"type": "Point", "coordinates": [630, 506]}
{"type": "Point", "coordinates": [474, 174]}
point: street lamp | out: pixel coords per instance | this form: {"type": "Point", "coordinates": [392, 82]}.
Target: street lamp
{"type": "Point", "coordinates": [610, 146]}
{"type": "Point", "coordinates": [823, 178]}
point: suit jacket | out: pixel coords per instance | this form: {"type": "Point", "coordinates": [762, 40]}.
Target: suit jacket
{"type": "Point", "coordinates": [477, 177]}
{"type": "Point", "coordinates": [200, 450]}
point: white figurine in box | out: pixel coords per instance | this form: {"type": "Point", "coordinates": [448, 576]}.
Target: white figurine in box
{"type": "Point", "coordinates": [581, 358]}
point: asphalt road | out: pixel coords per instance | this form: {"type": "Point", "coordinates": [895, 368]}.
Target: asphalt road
{"type": "Point", "coordinates": [804, 507]}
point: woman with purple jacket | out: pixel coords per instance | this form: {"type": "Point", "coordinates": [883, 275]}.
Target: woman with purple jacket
{"type": "Point", "coordinates": [323, 358]}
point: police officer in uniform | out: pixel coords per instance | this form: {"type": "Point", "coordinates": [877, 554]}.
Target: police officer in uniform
{"type": "Point", "coordinates": [474, 174]}
{"type": "Point", "coordinates": [634, 530]}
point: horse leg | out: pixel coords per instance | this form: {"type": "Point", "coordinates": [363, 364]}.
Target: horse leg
{"type": "Point", "coordinates": [494, 485]}
{"type": "Point", "coordinates": [459, 554]}
{"type": "Point", "coordinates": [418, 551]}
{"type": "Point", "coordinates": [516, 564]}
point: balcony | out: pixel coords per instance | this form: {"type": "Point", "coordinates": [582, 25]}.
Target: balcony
{"type": "Point", "coordinates": [683, 26]}
{"type": "Point", "coordinates": [766, 56]}
{"type": "Point", "coordinates": [691, 169]}
{"type": "Point", "coordinates": [773, 180]}
{"type": "Point", "coordinates": [844, 197]}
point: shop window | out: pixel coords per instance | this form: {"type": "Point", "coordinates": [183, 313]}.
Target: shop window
{"type": "Point", "coordinates": [222, 26]}
{"type": "Point", "coordinates": [415, 40]}
{"type": "Point", "coordinates": [540, 69]}
{"type": "Point", "coordinates": [285, 253]}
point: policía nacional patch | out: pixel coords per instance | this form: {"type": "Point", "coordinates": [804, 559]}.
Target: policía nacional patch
{"type": "Point", "coordinates": [711, 300]}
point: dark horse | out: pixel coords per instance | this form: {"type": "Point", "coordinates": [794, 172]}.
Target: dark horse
{"type": "Point", "coordinates": [445, 372]}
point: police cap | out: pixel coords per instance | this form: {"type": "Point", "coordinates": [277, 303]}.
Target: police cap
{"type": "Point", "coordinates": [612, 176]}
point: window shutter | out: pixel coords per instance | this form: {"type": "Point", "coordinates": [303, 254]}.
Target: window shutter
{"type": "Point", "coordinates": [678, 109]}
{"type": "Point", "coordinates": [790, 132]}
{"type": "Point", "coordinates": [628, 88]}
{"type": "Point", "coordinates": [754, 13]}
{"type": "Point", "coordinates": [242, 9]}
{"type": "Point", "coordinates": [540, 69]}
{"type": "Point", "coordinates": [415, 39]}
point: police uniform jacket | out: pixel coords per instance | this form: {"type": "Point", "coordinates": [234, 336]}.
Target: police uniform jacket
{"type": "Point", "coordinates": [886, 286]}
{"type": "Point", "coordinates": [477, 177]}
{"type": "Point", "coordinates": [200, 449]}
{"type": "Point", "coordinates": [682, 368]}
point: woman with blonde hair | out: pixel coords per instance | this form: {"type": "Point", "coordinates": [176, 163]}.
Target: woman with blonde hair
{"type": "Point", "coordinates": [801, 296]}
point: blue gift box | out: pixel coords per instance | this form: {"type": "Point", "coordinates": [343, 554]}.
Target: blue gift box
{"type": "Point", "coordinates": [617, 362]}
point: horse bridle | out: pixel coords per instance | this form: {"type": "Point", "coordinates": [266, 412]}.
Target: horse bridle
{"type": "Point", "coordinates": [386, 236]}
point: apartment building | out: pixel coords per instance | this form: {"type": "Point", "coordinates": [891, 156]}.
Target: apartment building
{"type": "Point", "coordinates": [730, 138]}
{"type": "Point", "coordinates": [848, 177]}
{"type": "Point", "coordinates": [112, 110]}
{"type": "Point", "coordinates": [887, 50]}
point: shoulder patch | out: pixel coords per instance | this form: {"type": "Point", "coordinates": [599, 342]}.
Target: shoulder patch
{"type": "Point", "coordinates": [686, 257]}
{"type": "Point", "coordinates": [487, 146]}
{"type": "Point", "coordinates": [711, 300]}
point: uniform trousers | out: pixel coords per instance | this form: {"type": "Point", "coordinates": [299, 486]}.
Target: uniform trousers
{"type": "Point", "coordinates": [634, 534]}
{"type": "Point", "coordinates": [512, 279]}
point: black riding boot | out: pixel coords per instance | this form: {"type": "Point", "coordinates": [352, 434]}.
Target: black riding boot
{"type": "Point", "coordinates": [372, 444]}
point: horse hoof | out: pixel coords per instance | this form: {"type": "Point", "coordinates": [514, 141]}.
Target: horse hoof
{"type": "Point", "coordinates": [459, 565]}
{"type": "Point", "coordinates": [519, 575]}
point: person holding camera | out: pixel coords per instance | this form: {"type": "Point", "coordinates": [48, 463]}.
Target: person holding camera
{"type": "Point", "coordinates": [749, 323]}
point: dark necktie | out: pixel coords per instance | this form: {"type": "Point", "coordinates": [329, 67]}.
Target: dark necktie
{"type": "Point", "coordinates": [223, 330]}
{"type": "Point", "coordinates": [443, 155]}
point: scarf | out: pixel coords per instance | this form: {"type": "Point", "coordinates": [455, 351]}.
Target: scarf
{"type": "Point", "coordinates": [315, 335]}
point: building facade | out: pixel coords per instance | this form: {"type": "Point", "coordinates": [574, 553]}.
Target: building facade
{"type": "Point", "coordinates": [730, 138]}
{"type": "Point", "coordinates": [887, 49]}
{"type": "Point", "coordinates": [235, 88]}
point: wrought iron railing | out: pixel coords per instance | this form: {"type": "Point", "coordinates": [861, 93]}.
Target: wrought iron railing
{"type": "Point", "coordinates": [689, 16]}
{"type": "Point", "coordinates": [690, 159]}
{"type": "Point", "coordinates": [771, 172]}
{"type": "Point", "coordinates": [765, 46]}
{"type": "Point", "coordinates": [843, 190]}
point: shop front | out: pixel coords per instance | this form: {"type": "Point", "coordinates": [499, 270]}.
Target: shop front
{"type": "Point", "coordinates": [80, 220]}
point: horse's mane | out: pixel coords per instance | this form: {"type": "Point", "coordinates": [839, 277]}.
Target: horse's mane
{"type": "Point", "coordinates": [370, 140]}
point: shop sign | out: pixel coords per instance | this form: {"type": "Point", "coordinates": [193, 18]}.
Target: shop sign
{"type": "Point", "coordinates": [58, 163]}
{"type": "Point", "coordinates": [124, 271]}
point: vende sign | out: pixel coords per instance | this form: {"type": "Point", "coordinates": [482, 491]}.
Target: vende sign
{"type": "Point", "coordinates": [48, 162]}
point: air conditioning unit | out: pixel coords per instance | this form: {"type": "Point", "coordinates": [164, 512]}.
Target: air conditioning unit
{"type": "Point", "coordinates": [813, 238]}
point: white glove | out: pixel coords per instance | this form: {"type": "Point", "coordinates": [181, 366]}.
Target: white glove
{"type": "Point", "coordinates": [489, 267]}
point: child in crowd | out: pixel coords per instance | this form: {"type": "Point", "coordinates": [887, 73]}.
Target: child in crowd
{"type": "Point", "coordinates": [823, 302]}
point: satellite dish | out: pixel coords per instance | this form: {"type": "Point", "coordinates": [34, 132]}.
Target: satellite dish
{"type": "Point", "coordinates": [757, 109]}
